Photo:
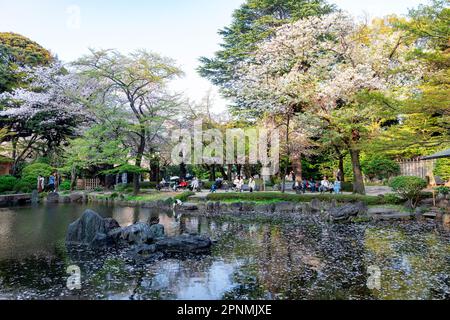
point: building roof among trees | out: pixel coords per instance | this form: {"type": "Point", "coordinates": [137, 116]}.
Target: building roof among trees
{"type": "Point", "coordinates": [442, 154]}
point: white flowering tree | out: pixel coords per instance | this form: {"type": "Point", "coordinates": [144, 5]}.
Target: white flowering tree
{"type": "Point", "coordinates": [342, 72]}
{"type": "Point", "coordinates": [43, 115]}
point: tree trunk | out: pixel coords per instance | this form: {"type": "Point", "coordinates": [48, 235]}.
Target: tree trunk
{"type": "Point", "coordinates": [183, 171]}
{"type": "Point", "coordinates": [297, 167]}
{"type": "Point", "coordinates": [212, 172]}
{"type": "Point", "coordinates": [14, 156]}
{"type": "Point", "coordinates": [358, 181]}
{"type": "Point", "coordinates": [139, 156]}
{"type": "Point", "coordinates": [341, 168]}
{"type": "Point", "coordinates": [288, 153]}
{"type": "Point", "coordinates": [222, 171]}
{"type": "Point", "coordinates": [230, 172]}
{"type": "Point", "coordinates": [73, 178]}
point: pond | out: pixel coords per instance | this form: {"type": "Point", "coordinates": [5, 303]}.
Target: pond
{"type": "Point", "coordinates": [251, 260]}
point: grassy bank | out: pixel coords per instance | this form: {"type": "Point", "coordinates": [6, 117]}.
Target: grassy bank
{"type": "Point", "coordinates": [277, 197]}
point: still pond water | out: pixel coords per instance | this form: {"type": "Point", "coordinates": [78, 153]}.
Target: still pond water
{"type": "Point", "coordinates": [251, 260]}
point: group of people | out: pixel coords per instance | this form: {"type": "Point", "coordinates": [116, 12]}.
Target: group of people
{"type": "Point", "coordinates": [323, 186]}
{"type": "Point", "coordinates": [52, 183]}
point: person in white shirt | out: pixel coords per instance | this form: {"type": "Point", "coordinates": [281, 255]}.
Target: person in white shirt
{"type": "Point", "coordinates": [326, 185]}
{"type": "Point", "coordinates": [251, 184]}
{"type": "Point", "coordinates": [195, 184]}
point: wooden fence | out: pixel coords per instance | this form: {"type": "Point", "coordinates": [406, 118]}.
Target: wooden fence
{"type": "Point", "coordinates": [88, 184]}
{"type": "Point", "coordinates": [418, 168]}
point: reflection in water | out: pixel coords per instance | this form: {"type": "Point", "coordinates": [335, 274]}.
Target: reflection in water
{"type": "Point", "coordinates": [252, 260]}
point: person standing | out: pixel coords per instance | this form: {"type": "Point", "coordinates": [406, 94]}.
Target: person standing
{"type": "Point", "coordinates": [338, 186]}
{"type": "Point", "coordinates": [51, 182]}
{"type": "Point", "coordinates": [40, 184]}
{"type": "Point", "coordinates": [251, 184]}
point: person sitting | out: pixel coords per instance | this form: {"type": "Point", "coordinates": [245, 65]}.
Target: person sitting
{"type": "Point", "coordinates": [195, 185]}
{"type": "Point", "coordinates": [326, 186]}
{"type": "Point", "coordinates": [156, 228]}
{"type": "Point", "coordinates": [161, 185]}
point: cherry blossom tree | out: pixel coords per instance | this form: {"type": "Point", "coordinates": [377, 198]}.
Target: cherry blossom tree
{"type": "Point", "coordinates": [46, 113]}
{"type": "Point", "coordinates": [334, 69]}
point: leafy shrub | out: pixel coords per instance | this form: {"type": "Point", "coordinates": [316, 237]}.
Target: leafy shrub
{"type": "Point", "coordinates": [64, 186]}
{"type": "Point", "coordinates": [184, 196]}
{"type": "Point", "coordinates": [148, 185]}
{"type": "Point", "coordinates": [264, 196]}
{"type": "Point", "coordinates": [442, 169]}
{"type": "Point", "coordinates": [26, 184]}
{"type": "Point", "coordinates": [37, 169]}
{"type": "Point", "coordinates": [392, 199]}
{"type": "Point", "coordinates": [30, 173]}
{"type": "Point", "coordinates": [7, 183]}
{"type": "Point", "coordinates": [380, 168]}
{"type": "Point", "coordinates": [443, 190]}
{"type": "Point", "coordinates": [409, 188]}
{"type": "Point", "coordinates": [347, 187]}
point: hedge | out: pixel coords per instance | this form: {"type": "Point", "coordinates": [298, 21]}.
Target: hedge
{"type": "Point", "coordinates": [7, 183]}
{"type": "Point", "coordinates": [264, 196]}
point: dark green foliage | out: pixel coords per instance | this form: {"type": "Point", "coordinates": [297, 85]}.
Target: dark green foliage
{"type": "Point", "coordinates": [442, 169]}
{"type": "Point", "coordinates": [409, 188]}
{"type": "Point", "coordinates": [443, 190]}
{"type": "Point", "coordinates": [37, 169]}
{"type": "Point", "coordinates": [184, 196]}
{"type": "Point", "coordinates": [30, 173]}
{"type": "Point", "coordinates": [64, 186]}
{"type": "Point", "coordinates": [380, 168]}
{"type": "Point", "coordinates": [7, 183]}
{"type": "Point", "coordinates": [265, 196]}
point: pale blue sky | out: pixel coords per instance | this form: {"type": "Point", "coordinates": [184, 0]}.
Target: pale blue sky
{"type": "Point", "coordinates": [181, 29]}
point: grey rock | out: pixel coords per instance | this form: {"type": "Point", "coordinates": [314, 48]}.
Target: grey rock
{"type": "Point", "coordinates": [184, 244]}
{"type": "Point", "coordinates": [76, 197]}
{"type": "Point", "coordinates": [65, 199]}
{"type": "Point", "coordinates": [139, 233]}
{"type": "Point", "coordinates": [34, 197]}
{"type": "Point", "coordinates": [53, 197]}
{"type": "Point", "coordinates": [189, 206]}
{"type": "Point", "coordinates": [348, 211]}
{"type": "Point", "coordinates": [285, 207]}
{"type": "Point", "coordinates": [316, 205]}
{"type": "Point", "coordinates": [157, 231]}
{"type": "Point", "coordinates": [84, 230]}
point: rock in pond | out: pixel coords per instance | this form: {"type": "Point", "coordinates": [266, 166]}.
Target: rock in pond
{"type": "Point", "coordinates": [190, 244]}
{"type": "Point", "coordinates": [348, 211]}
{"type": "Point", "coordinates": [53, 197]}
{"type": "Point", "coordinates": [144, 240]}
{"type": "Point", "coordinates": [91, 230]}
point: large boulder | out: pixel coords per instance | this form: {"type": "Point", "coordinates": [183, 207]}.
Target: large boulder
{"type": "Point", "coordinates": [53, 197]}
{"type": "Point", "coordinates": [76, 197]}
{"type": "Point", "coordinates": [185, 244]}
{"type": "Point", "coordinates": [90, 230]}
{"type": "Point", "coordinates": [348, 212]}
{"type": "Point", "coordinates": [139, 233]}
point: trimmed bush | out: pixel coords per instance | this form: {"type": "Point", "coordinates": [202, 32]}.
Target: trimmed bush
{"type": "Point", "coordinates": [30, 173]}
{"type": "Point", "coordinates": [7, 183]}
{"type": "Point", "coordinates": [380, 168]}
{"type": "Point", "coordinates": [64, 186]}
{"type": "Point", "coordinates": [409, 188]}
{"type": "Point", "coordinates": [443, 191]}
{"type": "Point", "coordinates": [37, 169]}
{"type": "Point", "coordinates": [26, 185]}
{"type": "Point", "coordinates": [265, 196]}
{"type": "Point", "coordinates": [183, 197]}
